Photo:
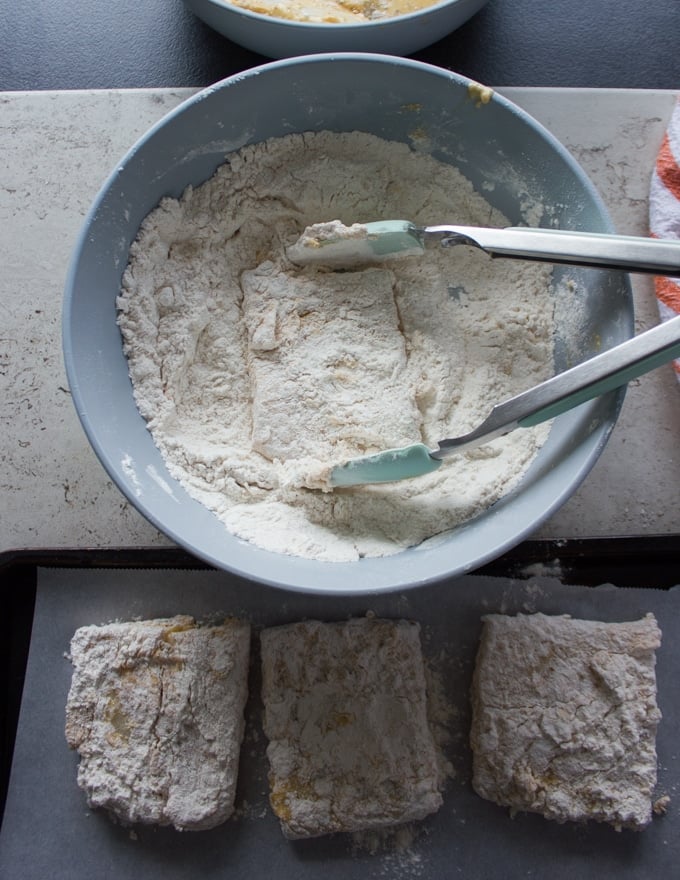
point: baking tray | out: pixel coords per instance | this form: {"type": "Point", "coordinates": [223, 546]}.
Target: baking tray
{"type": "Point", "coordinates": [650, 564]}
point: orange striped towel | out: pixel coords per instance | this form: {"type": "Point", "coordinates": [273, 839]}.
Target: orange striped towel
{"type": "Point", "coordinates": [664, 213]}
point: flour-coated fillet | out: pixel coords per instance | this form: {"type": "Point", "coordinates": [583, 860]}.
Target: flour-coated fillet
{"type": "Point", "coordinates": [345, 704]}
{"type": "Point", "coordinates": [155, 710]}
{"type": "Point", "coordinates": [565, 717]}
{"type": "Point", "coordinates": [327, 363]}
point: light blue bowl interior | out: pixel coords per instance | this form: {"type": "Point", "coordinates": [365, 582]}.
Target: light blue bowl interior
{"type": "Point", "coordinates": [391, 98]}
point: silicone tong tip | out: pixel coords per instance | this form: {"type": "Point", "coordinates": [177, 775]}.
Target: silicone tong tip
{"type": "Point", "coordinates": [385, 467]}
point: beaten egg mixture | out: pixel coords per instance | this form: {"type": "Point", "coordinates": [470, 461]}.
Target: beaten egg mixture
{"type": "Point", "coordinates": [333, 11]}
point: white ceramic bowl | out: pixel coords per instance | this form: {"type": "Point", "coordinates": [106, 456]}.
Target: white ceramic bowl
{"type": "Point", "coordinates": [279, 38]}
{"type": "Point", "coordinates": [495, 141]}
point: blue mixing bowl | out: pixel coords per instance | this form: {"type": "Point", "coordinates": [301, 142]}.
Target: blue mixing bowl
{"type": "Point", "coordinates": [490, 140]}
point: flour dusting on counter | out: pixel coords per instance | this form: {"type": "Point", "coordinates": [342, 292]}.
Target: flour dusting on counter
{"type": "Point", "coordinates": [255, 375]}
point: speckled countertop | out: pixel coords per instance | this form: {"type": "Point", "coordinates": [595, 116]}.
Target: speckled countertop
{"type": "Point", "coordinates": [58, 147]}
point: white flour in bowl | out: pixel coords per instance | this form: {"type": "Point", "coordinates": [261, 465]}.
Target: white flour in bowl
{"type": "Point", "coordinates": [254, 374]}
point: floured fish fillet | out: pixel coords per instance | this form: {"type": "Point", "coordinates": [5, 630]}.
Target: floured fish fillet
{"type": "Point", "coordinates": [328, 365]}
{"type": "Point", "coordinates": [155, 710]}
{"type": "Point", "coordinates": [565, 717]}
{"type": "Point", "coordinates": [350, 748]}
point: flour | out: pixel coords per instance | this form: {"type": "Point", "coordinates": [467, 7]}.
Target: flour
{"type": "Point", "coordinates": [248, 411]}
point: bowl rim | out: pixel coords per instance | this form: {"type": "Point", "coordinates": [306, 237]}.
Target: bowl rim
{"type": "Point", "coordinates": [338, 27]}
{"type": "Point", "coordinates": [306, 575]}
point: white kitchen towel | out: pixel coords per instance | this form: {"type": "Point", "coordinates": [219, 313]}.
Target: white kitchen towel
{"type": "Point", "coordinates": [664, 213]}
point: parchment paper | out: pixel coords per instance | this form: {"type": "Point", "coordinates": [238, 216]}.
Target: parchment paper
{"type": "Point", "coordinates": [48, 831]}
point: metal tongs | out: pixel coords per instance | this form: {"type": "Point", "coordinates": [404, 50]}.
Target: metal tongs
{"type": "Point", "coordinates": [339, 246]}
{"type": "Point", "coordinates": [563, 392]}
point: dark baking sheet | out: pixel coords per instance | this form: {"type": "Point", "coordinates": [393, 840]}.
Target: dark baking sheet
{"type": "Point", "coordinates": [48, 831]}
